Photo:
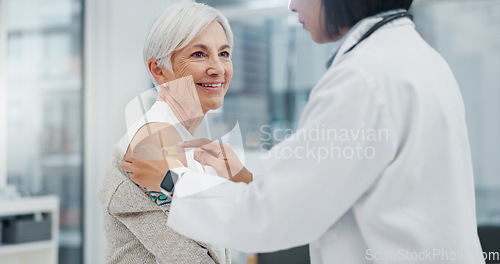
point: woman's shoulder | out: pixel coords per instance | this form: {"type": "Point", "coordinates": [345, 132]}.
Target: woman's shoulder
{"type": "Point", "coordinates": [155, 134]}
{"type": "Point", "coordinates": [118, 193]}
{"type": "Point", "coordinates": [158, 127]}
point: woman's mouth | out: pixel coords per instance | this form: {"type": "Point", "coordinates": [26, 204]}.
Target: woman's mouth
{"type": "Point", "coordinates": [211, 87]}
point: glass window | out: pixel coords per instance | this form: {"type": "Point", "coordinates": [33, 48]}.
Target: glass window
{"type": "Point", "coordinates": [276, 64]}
{"type": "Point", "coordinates": [44, 108]}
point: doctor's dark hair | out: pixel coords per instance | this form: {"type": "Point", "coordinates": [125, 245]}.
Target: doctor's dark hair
{"type": "Point", "coordinates": [346, 13]}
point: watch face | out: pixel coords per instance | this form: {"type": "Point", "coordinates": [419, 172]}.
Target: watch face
{"type": "Point", "coordinates": [167, 183]}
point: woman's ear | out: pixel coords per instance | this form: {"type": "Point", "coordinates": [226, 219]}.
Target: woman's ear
{"type": "Point", "coordinates": [157, 71]}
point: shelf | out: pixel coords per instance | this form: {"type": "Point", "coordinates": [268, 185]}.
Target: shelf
{"type": "Point", "coordinates": [27, 205]}
{"type": "Point", "coordinates": [25, 247]}
{"type": "Point", "coordinates": [45, 251]}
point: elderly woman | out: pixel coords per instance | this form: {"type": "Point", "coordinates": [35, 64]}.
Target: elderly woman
{"type": "Point", "coordinates": [188, 53]}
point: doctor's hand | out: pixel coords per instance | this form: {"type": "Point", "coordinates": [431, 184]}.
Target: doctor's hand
{"type": "Point", "coordinates": [221, 157]}
{"type": "Point", "coordinates": [147, 173]}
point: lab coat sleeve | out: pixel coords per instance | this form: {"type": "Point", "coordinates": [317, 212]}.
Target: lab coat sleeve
{"type": "Point", "coordinates": [344, 142]}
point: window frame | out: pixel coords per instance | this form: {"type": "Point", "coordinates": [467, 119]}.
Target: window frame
{"type": "Point", "coordinates": [3, 97]}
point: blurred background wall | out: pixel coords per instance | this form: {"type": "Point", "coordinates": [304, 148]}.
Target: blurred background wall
{"type": "Point", "coordinates": [69, 67]}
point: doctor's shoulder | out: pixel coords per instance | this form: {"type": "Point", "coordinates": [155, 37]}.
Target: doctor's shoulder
{"type": "Point", "coordinates": [352, 71]}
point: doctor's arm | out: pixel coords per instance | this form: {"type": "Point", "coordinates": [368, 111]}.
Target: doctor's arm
{"type": "Point", "coordinates": [149, 173]}
{"type": "Point", "coordinates": [308, 181]}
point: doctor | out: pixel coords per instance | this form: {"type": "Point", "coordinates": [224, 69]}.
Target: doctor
{"type": "Point", "coordinates": [379, 170]}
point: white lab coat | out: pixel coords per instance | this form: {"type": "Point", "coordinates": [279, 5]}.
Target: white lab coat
{"type": "Point", "coordinates": [411, 202]}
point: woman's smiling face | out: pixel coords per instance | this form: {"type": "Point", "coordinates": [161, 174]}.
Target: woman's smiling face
{"type": "Point", "coordinates": [207, 58]}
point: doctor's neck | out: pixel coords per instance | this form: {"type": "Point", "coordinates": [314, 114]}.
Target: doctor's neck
{"type": "Point", "coordinates": [341, 33]}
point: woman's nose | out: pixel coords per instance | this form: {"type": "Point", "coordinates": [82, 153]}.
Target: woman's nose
{"type": "Point", "coordinates": [215, 67]}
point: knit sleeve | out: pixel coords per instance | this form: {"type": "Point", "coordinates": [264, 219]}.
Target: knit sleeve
{"type": "Point", "coordinates": [148, 222]}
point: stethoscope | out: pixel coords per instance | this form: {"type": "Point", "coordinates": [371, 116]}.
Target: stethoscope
{"type": "Point", "coordinates": [380, 24]}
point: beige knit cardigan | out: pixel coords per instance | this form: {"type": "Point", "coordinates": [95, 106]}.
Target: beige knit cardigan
{"type": "Point", "coordinates": [136, 227]}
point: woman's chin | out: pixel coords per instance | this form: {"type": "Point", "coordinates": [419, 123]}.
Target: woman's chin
{"type": "Point", "coordinates": [213, 104]}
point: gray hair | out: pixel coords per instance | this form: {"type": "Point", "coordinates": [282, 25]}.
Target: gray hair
{"type": "Point", "coordinates": [179, 25]}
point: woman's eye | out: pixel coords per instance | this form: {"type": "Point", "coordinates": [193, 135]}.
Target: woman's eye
{"type": "Point", "coordinates": [198, 54]}
{"type": "Point", "coordinates": [224, 54]}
